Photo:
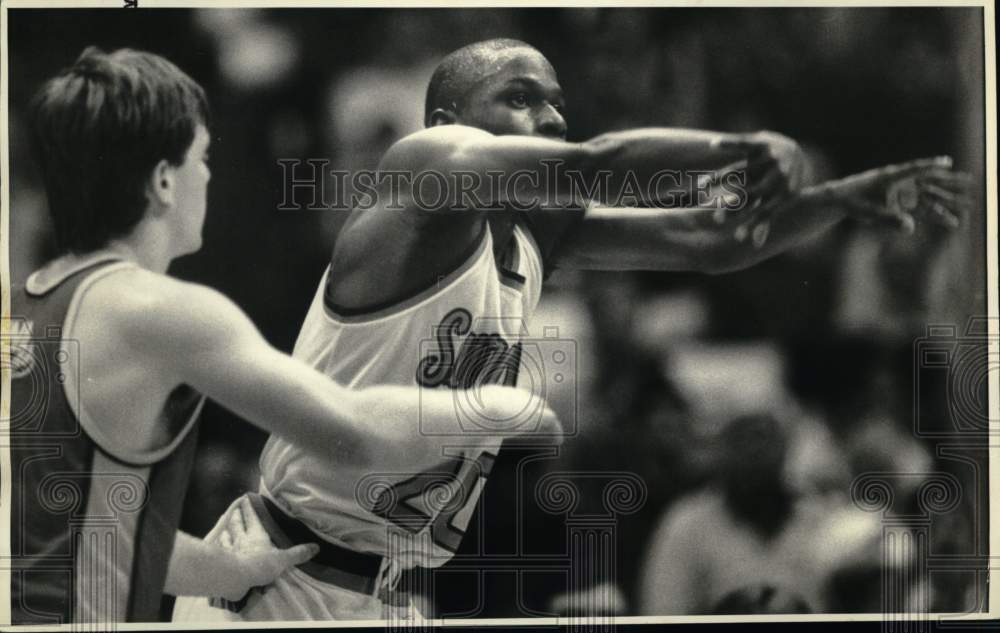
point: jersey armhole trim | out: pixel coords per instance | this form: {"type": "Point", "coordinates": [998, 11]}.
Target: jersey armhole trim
{"type": "Point", "coordinates": [100, 438]}
{"type": "Point", "coordinates": [43, 281]}
{"type": "Point", "coordinates": [346, 316]}
{"type": "Point", "coordinates": [544, 261]}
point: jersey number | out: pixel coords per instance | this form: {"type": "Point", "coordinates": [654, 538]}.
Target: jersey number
{"type": "Point", "coordinates": [441, 500]}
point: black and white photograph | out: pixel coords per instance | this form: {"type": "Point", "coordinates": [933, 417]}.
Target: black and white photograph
{"type": "Point", "coordinates": [594, 316]}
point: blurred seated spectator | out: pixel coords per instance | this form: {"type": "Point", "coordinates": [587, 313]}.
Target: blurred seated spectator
{"type": "Point", "coordinates": [766, 535]}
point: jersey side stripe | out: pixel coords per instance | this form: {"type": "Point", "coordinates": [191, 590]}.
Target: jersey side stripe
{"type": "Point", "coordinates": [118, 495]}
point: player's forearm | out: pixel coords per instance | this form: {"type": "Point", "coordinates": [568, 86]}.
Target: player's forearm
{"type": "Point", "coordinates": [198, 568]}
{"type": "Point", "coordinates": [347, 426]}
{"type": "Point", "coordinates": [411, 421]}
{"type": "Point", "coordinates": [677, 148]}
{"type": "Point", "coordinates": [414, 423]}
{"type": "Point", "coordinates": [208, 343]}
{"type": "Point", "coordinates": [773, 229]}
{"type": "Point", "coordinates": [286, 397]}
{"type": "Point", "coordinates": [528, 171]}
{"type": "Point", "coordinates": [643, 157]}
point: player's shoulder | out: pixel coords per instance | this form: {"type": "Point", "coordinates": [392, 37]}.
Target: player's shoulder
{"type": "Point", "coordinates": [135, 289]}
{"type": "Point", "coordinates": [138, 302]}
{"type": "Point", "coordinates": [429, 145]}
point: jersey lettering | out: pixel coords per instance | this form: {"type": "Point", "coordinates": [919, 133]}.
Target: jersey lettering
{"type": "Point", "coordinates": [483, 358]}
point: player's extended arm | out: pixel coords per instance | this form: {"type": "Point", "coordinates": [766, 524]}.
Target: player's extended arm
{"type": "Point", "coordinates": [479, 170]}
{"type": "Point", "coordinates": [714, 241]}
{"type": "Point", "coordinates": [204, 340]}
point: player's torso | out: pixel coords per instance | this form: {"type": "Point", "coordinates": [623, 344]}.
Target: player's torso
{"type": "Point", "coordinates": [95, 516]}
{"type": "Point", "coordinates": [463, 330]}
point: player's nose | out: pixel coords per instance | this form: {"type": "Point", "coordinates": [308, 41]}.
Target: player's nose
{"type": "Point", "coordinates": [551, 123]}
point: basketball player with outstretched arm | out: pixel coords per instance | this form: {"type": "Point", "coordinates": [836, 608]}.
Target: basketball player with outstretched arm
{"type": "Point", "coordinates": [111, 360]}
{"type": "Point", "coordinates": [468, 276]}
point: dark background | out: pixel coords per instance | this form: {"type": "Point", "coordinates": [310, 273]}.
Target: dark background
{"type": "Point", "coordinates": [836, 320]}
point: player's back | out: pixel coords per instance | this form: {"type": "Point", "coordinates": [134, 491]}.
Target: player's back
{"type": "Point", "coordinates": [98, 484]}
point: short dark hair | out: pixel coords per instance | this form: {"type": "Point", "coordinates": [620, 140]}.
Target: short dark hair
{"type": "Point", "coordinates": [99, 129]}
{"type": "Point", "coordinates": [453, 75]}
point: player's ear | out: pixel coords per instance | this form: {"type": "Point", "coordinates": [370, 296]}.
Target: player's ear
{"type": "Point", "coordinates": [441, 116]}
{"type": "Point", "coordinates": [160, 185]}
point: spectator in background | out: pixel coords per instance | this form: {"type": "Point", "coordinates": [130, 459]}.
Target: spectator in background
{"type": "Point", "coordinates": [632, 396]}
{"type": "Point", "coordinates": [760, 539]}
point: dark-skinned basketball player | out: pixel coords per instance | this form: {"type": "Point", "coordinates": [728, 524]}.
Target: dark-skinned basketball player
{"type": "Point", "coordinates": [466, 271]}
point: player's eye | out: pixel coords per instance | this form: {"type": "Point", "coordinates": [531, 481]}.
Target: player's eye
{"type": "Point", "coordinates": [518, 100]}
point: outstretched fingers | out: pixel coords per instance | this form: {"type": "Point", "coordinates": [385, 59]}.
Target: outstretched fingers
{"type": "Point", "coordinates": [944, 207]}
{"type": "Point", "coordinates": [942, 196]}
{"type": "Point", "coordinates": [919, 167]}
{"type": "Point", "coordinates": [884, 215]}
{"type": "Point", "coordinates": [946, 195]}
{"type": "Point", "coordinates": [957, 181]}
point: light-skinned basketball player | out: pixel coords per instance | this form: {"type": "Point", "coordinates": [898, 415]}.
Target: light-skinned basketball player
{"type": "Point", "coordinates": [404, 271]}
{"type": "Point", "coordinates": [121, 355]}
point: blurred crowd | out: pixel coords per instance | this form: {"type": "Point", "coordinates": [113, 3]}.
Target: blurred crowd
{"type": "Point", "coordinates": [747, 403]}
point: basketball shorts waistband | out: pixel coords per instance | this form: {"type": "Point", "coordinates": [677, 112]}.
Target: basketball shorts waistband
{"type": "Point", "coordinates": [359, 572]}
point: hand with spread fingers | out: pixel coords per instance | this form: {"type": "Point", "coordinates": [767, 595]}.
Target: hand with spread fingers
{"type": "Point", "coordinates": [253, 554]}
{"type": "Point", "coordinates": [925, 191]}
{"type": "Point", "coordinates": [775, 166]}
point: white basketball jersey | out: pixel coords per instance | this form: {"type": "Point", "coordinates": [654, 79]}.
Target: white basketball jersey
{"type": "Point", "coordinates": [463, 331]}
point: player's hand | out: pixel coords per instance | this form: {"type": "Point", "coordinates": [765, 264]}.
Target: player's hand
{"type": "Point", "coordinates": [522, 412]}
{"type": "Point", "coordinates": [775, 166]}
{"type": "Point", "coordinates": [255, 559]}
{"type": "Point", "coordinates": [900, 196]}
{"type": "Point", "coordinates": [780, 154]}
{"type": "Point", "coordinates": [488, 411]}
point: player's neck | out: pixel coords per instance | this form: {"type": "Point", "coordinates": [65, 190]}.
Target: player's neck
{"type": "Point", "coordinates": [146, 247]}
